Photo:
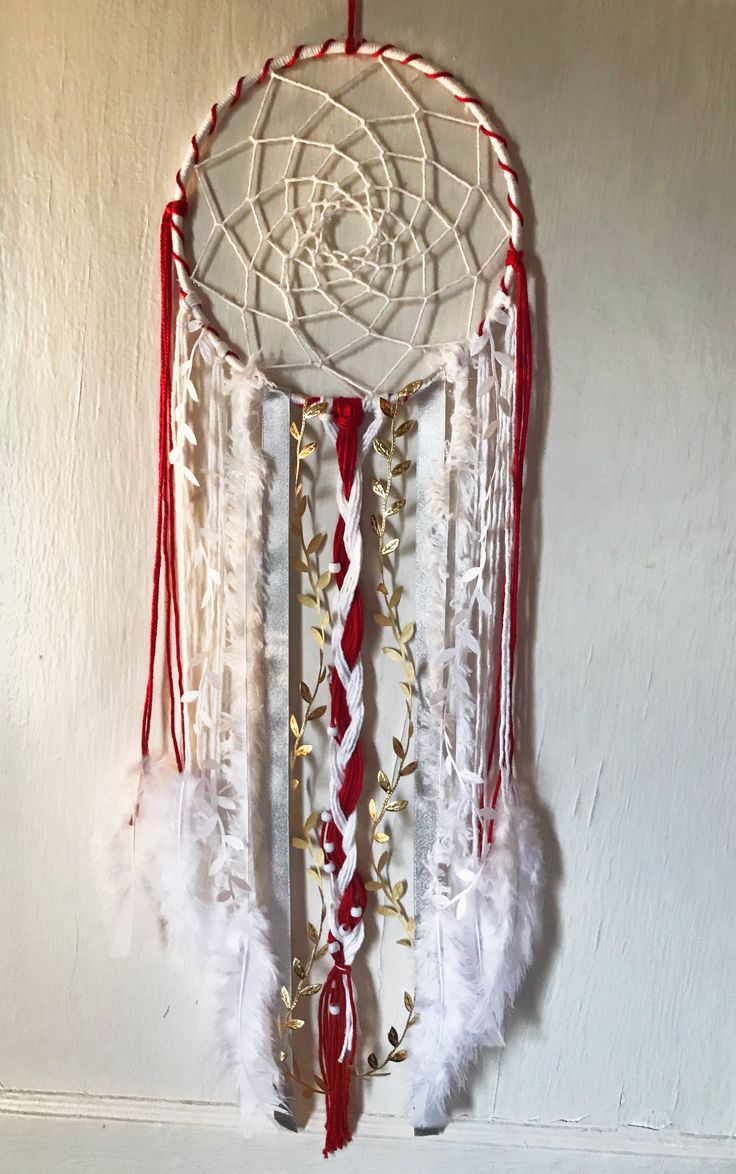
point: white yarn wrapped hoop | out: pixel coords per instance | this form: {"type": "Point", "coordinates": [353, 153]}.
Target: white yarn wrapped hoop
{"type": "Point", "coordinates": [472, 106]}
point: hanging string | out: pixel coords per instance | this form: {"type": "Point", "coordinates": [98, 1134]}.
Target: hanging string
{"type": "Point", "coordinates": [350, 41]}
{"type": "Point", "coordinates": [165, 548]}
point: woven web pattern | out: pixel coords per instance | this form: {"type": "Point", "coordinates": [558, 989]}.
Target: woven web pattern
{"type": "Point", "coordinates": [343, 226]}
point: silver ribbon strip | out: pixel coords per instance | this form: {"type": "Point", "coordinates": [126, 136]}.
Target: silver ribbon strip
{"type": "Point", "coordinates": [429, 455]}
{"type": "Point", "coordinates": [276, 447]}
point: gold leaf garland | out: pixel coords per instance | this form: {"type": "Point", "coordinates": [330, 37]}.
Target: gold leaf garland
{"type": "Point", "coordinates": [392, 892]}
{"type": "Point", "coordinates": [306, 562]}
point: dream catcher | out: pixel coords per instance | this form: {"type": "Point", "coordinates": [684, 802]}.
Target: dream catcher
{"type": "Point", "coordinates": [344, 217]}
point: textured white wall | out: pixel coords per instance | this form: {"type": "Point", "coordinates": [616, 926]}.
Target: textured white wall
{"type": "Point", "coordinates": [624, 1045]}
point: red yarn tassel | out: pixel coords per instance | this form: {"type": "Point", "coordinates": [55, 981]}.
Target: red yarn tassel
{"type": "Point", "coordinates": [337, 1016]}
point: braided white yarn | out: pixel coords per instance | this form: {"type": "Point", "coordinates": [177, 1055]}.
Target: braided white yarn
{"type": "Point", "coordinates": [349, 507]}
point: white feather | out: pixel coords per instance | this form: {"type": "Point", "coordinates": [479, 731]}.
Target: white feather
{"type": "Point", "coordinates": [241, 986]}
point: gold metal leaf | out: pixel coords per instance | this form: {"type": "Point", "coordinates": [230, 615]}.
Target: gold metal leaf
{"type": "Point", "coordinates": [390, 546]}
{"type": "Point", "coordinates": [402, 467]}
{"type": "Point", "coordinates": [399, 750]}
{"type": "Point", "coordinates": [301, 506]}
{"type": "Point", "coordinates": [408, 1001]}
{"type": "Point", "coordinates": [388, 408]}
{"type": "Point", "coordinates": [317, 713]}
{"type": "Point", "coordinates": [312, 932]}
{"type": "Point", "coordinates": [393, 1036]}
{"type": "Point", "coordinates": [385, 621]}
{"type": "Point", "coordinates": [285, 998]}
{"type": "Point", "coordinates": [380, 837]}
{"type": "Point", "coordinates": [396, 507]}
{"type": "Point", "coordinates": [382, 861]}
{"type": "Point", "coordinates": [303, 751]}
{"type": "Point", "coordinates": [373, 886]}
{"type": "Point", "coordinates": [323, 580]}
{"type": "Point", "coordinates": [392, 653]}
{"type": "Point", "coordinates": [305, 691]}
{"type": "Point", "coordinates": [387, 911]}
{"type": "Point", "coordinates": [372, 809]}
{"type": "Point", "coordinates": [398, 805]}
{"type": "Point", "coordinates": [309, 449]}
{"type": "Point", "coordinates": [318, 635]}
{"type": "Point", "coordinates": [298, 967]}
{"type": "Point", "coordinates": [315, 543]}
{"type": "Point", "coordinates": [308, 601]}
{"type": "Point", "coordinates": [315, 409]}
{"type": "Point", "coordinates": [299, 565]}
{"type": "Point", "coordinates": [299, 842]}
{"type": "Point", "coordinates": [406, 633]}
{"type": "Point", "coordinates": [383, 781]}
{"type": "Point", "coordinates": [294, 1024]}
{"type": "Point", "coordinates": [310, 822]}
{"type": "Point", "coordinates": [378, 487]}
{"type": "Point", "coordinates": [397, 1057]}
{"type": "Point", "coordinates": [395, 599]}
{"type": "Point", "coordinates": [375, 526]}
{"type": "Point", "coordinates": [405, 689]}
{"type": "Point", "coordinates": [404, 942]}
{"type": "Point", "coordinates": [294, 431]}
{"type": "Point", "coordinates": [314, 989]}
{"type": "Point", "coordinates": [398, 890]}
{"type": "Point", "coordinates": [406, 427]}
{"type": "Point", "coordinates": [294, 726]}
{"type": "Point", "coordinates": [381, 449]}
{"type": "Point", "coordinates": [373, 1061]}
{"type": "Point", "coordinates": [408, 769]}
{"type": "Point", "coordinates": [410, 389]}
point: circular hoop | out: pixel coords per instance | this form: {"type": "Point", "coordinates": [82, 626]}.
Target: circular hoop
{"type": "Point", "coordinates": [331, 48]}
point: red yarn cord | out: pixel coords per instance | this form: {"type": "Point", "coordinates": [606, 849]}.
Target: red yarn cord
{"type": "Point", "coordinates": [165, 548]}
{"type": "Point", "coordinates": [337, 1004]}
{"type": "Point", "coordinates": [350, 43]}
{"type": "Point", "coordinates": [523, 390]}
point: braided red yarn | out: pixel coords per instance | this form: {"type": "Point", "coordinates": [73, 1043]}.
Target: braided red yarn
{"type": "Point", "coordinates": [337, 991]}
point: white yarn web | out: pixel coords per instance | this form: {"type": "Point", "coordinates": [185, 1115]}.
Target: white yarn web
{"type": "Point", "coordinates": [342, 226]}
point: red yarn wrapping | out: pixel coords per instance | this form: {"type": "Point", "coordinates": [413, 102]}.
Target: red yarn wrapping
{"type": "Point", "coordinates": [337, 991]}
{"type": "Point", "coordinates": [523, 391]}
{"type": "Point", "coordinates": [165, 548]}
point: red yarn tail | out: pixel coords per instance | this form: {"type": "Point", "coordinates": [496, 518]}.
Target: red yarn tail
{"type": "Point", "coordinates": [523, 392]}
{"type": "Point", "coordinates": [165, 549]}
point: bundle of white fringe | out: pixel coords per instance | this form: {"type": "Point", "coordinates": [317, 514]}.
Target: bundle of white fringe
{"type": "Point", "coordinates": [191, 839]}
{"type": "Point", "coordinates": [477, 927]}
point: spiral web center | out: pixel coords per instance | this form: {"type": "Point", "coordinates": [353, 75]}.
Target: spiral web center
{"type": "Point", "coordinates": [348, 227]}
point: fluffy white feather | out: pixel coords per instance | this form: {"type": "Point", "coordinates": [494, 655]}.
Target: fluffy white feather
{"type": "Point", "coordinates": [241, 986]}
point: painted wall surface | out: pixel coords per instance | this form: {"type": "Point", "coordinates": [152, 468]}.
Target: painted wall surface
{"type": "Point", "coordinates": [623, 1051]}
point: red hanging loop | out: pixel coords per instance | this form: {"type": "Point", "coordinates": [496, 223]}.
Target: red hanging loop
{"type": "Point", "coordinates": [350, 41]}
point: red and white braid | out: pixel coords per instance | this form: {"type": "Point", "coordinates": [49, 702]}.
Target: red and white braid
{"type": "Point", "coordinates": [346, 890]}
